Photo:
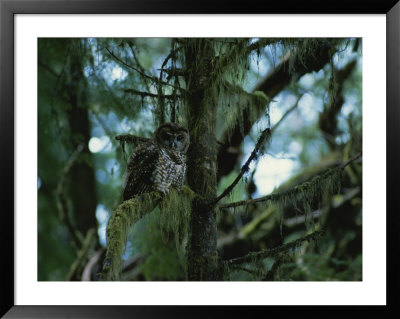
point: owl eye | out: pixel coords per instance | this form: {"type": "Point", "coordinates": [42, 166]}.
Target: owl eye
{"type": "Point", "coordinates": [163, 134]}
{"type": "Point", "coordinates": [180, 137]}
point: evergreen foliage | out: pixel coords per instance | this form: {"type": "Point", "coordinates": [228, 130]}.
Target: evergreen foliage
{"type": "Point", "coordinates": [99, 98]}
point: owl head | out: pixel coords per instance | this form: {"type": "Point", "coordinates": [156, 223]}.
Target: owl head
{"type": "Point", "coordinates": [173, 136]}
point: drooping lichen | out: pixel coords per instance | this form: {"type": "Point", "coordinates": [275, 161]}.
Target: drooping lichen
{"type": "Point", "coordinates": [218, 68]}
{"type": "Point", "coordinates": [122, 218]}
{"type": "Point", "coordinates": [253, 261]}
{"type": "Point", "coordinates": [235, 104]}
{"type": "Point", "coordinates": [303, 196]}
{"type": "Point", "coordinates": [174, 218]}
{"type": "Point", "coordinates": [175, 211]}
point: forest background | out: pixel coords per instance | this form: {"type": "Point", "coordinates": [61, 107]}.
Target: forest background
{"type": "Point", "coordinates": [306, 91]}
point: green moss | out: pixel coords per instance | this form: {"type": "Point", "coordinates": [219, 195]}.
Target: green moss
{"type": "Point", "coordinates": [217, 69]}
{"type": "Point", "coordinates": [233, 103]}
{"type": "Point", "coordinates": [303, 197]}
{"type": "Point", "coordinates": [175, 211]}
{"type": "Point", "coordinates": [258, 263]}
{"type": "Point", "coordinates": [310, 194]}
{"type": "Point", "coordinates": [122, 218]}
{"type": "Point", "coordinates": [174, 217]}
{"type": "Point", "coordinates": [203, 265]}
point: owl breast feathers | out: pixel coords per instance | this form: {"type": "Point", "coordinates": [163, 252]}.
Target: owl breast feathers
{"type": "Point", "coordinates": [158, 164]}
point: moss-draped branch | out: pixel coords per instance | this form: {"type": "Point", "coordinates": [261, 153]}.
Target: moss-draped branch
{"type": "Point", "coordinates": [175, 205]}
{"type": "Point", "coordinates": [306, 189]}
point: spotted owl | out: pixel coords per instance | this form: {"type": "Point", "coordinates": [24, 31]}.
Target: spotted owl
{"type": "Point", "coordinates": [158, 164]}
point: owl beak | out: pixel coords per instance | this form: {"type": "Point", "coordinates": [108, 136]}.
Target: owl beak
{"type": "Point", "coordinates": [173, 144]}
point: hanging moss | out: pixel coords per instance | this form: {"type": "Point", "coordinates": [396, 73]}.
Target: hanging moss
{"type": "Point", "coordinates": [232, 60]}
{"type": "Point", "coordinates": [249, 271]}
{"type": "Point", "coordinates": [174, 217]}
{"type": "Point", "coordinates": [298, 50]}
{"type": "Point", "coordinates": [126, 215]}
{"type": "Point", "coordinates": [233, 102]}
{"type": "Point", "coordinates": [306, 196]}
{"type": "Point", "coordinates": [303, 195]}
{"type": "Point", "coordinates": [303, 198]}
{"type": "Point", "coordinates": [253, 261]}
{"type": "Point", "coordinates": [175, 207]}
{"type": "Point", "coordinates": [218, 67]}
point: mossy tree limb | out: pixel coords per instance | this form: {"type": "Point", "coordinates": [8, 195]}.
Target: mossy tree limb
{"type": "Point", "coordinates": [152, 95]}
{"type": "Point", "coordinates": [325, 181]}
{"type": "Point", "coordinates": [129, 138]}
{"type": "Point", "coordinates": [119, 224]}
{"type": "Point", "coordinates": [175, 209]}
{"type": "Point", "coordinates": [253, 256]}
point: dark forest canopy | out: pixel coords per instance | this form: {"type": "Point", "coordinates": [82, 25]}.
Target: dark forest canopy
{"type": "Point", "coordinates": [273, 187]}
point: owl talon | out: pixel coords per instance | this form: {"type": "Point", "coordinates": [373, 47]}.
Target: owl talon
{"type": "Point", "coordinates": [163, 190]}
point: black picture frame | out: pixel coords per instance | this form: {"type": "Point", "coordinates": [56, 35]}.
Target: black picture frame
{"type": "Point", "coordinates": [9, 8]}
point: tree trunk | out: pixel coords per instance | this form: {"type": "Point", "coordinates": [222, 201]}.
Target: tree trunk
{"type": "Point", "coordinates": [82, 181]}
{"type": "Point", "coordinates": [202, 262]}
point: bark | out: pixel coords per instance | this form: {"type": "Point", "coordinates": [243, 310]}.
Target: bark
{"type": "Point", "coordinates": [201, 174]}
{"type": "Point", "coordinates": [82, 181]}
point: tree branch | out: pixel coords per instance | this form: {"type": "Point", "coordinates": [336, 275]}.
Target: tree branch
{"type": "Point", "coordinates": [295, 189]}
{"type": "Point", "coordinates": [224, 60]}
{"type": "Point", "coordinates": [274, 251]}
{"type": "Point", "coordinates": [327, 121]}
{"type": "Point", "coordinates": [87, 270]}
{"type": "Point", "coordinates": [355, 157]}
{"type": "Point", "coordinates": [61, 201]}
{"type": "Point", "coordinates": [170, 56]}
{"type": "Point", "coordinates": [139, 65]}
{"type": "Point", "coordinates": [133, 139]}
{"type": "Point", "coordinates": [315, 214]}
{"type": "Point", "coordinates": [148, 94]}
{"type": "Point", "coordinates": [48, 68]}
{"type": "Point", "coordinates": [251, 186]}
{"type": "Point", "coordinates": [273, 83]}
{"type": "Point", "coordinates": [250, 271]}
{"type": "Point", "coordinates": [127, 214]}
{"type": "Point", "coordinates": [173, 72]}
{"type": "Point", "coordinates": [154, 79]}
{"type": "Point", "coordinates": [131, 67]}
{"type": "Point", "coordinates": [82, 254]}
{"type": "Point", "coordinates": [266, 134]}
{"type": "Point", "coordinates": [286, 114]}
{"type": "Point", "coordinates": [261, 43]}
{"type": "Point", "coordinates": [103, 125]}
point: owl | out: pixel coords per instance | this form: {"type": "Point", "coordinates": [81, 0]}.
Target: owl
{"type": "Point", "coordinates": [158, 164]}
